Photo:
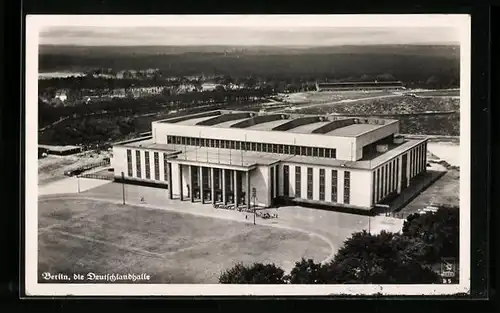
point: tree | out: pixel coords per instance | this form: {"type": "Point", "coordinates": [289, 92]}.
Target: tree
{"type": "Point", "coordinates": [307, 272]}
{"type": "Point", "coordinates": [257, 273]}
{"type": "Point", "coordinates": [386, 258]}
{"type": "Point", "coordinates": [439, 231]}
{"type": "Point", "coordinates": [433, 82]}
{"type": "Point", "coordinates": [386, 77]}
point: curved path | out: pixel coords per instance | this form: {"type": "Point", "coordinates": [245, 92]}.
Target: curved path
{"type": "Point", "coordinates": [203, 211]}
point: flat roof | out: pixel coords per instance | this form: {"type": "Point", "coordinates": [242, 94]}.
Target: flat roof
{"type": "Point", "coordinates": [226, 156]}
{"type": "Point", "coordinates": [362, 125]}
{"type": "Point", "coordinates": [229, 123]}
{"type": "Point", "coordinates": [149, 144]}
{"type": "Point", "coordinates": [353, 130]}
{"type": "Point", "coordinates": [267, 126]}
{"type": "Point", "coordinates": [308, 128]}
{"type": "Point", "coordinates": [194, 121]}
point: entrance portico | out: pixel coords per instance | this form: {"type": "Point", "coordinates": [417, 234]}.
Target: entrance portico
{"type": "Point", "coordinates": [213, 183]}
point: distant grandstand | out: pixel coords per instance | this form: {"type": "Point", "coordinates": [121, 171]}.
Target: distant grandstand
{"type": "Point", "coordinates": [396, 85]}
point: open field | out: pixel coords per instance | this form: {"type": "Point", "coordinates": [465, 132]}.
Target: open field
{"type": "Point", "coordinates": [332, 96]}
{"type": "Point", "coordinates": [446, 124]}
{"type": "Point", "coordinates": [80, 236]}
{"type": "Point", "coordinates": [389, 106]}
{"type": "Point", "coordinates": [52, 168]}
{"type": "Point", "coordinates": [438, 93]}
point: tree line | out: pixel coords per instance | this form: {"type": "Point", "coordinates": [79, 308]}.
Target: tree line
{"type": "Point", "coordinates": [413, 69]}
{"type": "Point", "coordinates": [408, 257]}
{"type": "Point", "coordinates": [166, 101]}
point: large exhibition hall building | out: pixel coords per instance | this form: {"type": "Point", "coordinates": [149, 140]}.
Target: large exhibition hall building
{"type": "Point", "coordinates": [247, 157]}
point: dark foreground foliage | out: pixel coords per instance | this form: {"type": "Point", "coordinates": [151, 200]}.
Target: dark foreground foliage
{"type": "Point", "coordinates": [386, 258]}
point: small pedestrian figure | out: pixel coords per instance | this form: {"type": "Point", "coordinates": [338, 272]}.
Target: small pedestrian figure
{"type": "Point", "coordinates": [246, 216]}
{"type": "Point", "coordinates": [142, 199]}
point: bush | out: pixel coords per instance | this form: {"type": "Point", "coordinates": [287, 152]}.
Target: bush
{"type": "Point", "coordinates": [257, 273]}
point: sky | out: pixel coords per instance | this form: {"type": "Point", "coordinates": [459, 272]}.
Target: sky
{"type": "Point", "coordinates": [219, 35]}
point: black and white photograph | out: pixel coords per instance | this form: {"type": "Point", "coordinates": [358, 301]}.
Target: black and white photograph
{"type": "Point", "coordinates": [212, 155]}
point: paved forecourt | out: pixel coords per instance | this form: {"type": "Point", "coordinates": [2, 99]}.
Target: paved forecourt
{"type": "Point", "coordinates": [111, 228]}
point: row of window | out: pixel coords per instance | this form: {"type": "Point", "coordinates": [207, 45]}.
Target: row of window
{"type": "Point", "coordinates": [385, 178]}
{"type": "Point", "coordinates": [310, 179]}
{"type": "Point", "coordinates": [418, 157]}
{"type": "Point", "coordinates": [138, 164]}
{"type": "Point", "coordinates": [254, 146]}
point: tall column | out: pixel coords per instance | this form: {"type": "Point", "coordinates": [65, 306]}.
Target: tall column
{"type": "Point", "coordinates": [400, 173]}
{"type": "Point", "coordinates": [169, 179]}
{"type": "Point", "coordinates": [202, 194]}
{"type": "Point", "coordinates": [247, 174]}
{"type": "Point", "coordinates": [425, 156]}
{"type": "Point", "coordinates": [212, 184]}
{"type": "Point", "coordinates": [223, 186]}
{"type": "Point", "coordinates": [181, 192]}
{"type": "Point", "coordinates": [236, 189]}
{"type": "Point", "coordinates": [191, 185]}
{"type": "Point", "coordinates": [408, 165]}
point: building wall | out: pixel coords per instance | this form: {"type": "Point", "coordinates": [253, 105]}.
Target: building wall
{"type": "Point", "coordinates": [345, 147]}
{"type": "Point", "coordinates": [364, 191]}
{"type": "Point", "coordinates": [119, 161]}
{"type": "Point", "coordinates": [416, 164]}
{"type": "Point", "coordinates": [360, 191]}
{"type": "Point", "coordinates": [260, 179]}
{"type": "Point", "coordinates": [373, 136]}
{"type": "Point", "coordinates": [120, 164]}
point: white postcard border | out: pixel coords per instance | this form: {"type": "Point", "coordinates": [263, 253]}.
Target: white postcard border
{"type": "Point", "coordinates": [35, 22]}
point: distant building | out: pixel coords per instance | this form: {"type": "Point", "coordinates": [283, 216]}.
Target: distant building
{"type": "Point", "coordinates": [209, 86]}
{"type": "Point", "coordinates": [138, 92]}
{"type": "Point", "coordinates": [119, 93]}
{"type": "Point", "coordinates": [61, 95]}
{"type": "Point", "coordinates": [375, 85]}
{"type": "Point", "coordinates": [183, 88]}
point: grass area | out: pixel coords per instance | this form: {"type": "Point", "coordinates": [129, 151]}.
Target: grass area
{"type": "Point", "coordinates": [327, 96]}
{"type": "Point", "coordinates": [441, 124]}
{"type": "Point", "coordinates": [444, 125]}
{"type": "Point", "coordinates": [392, 105]}
{"type": "Point", "coordinates": [87, 236]}
{"type": "Point", "coordinates": [52, 168]}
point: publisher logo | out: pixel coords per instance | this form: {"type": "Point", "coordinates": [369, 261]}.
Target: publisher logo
{"type": "Point", "coordinates": [448, 270]}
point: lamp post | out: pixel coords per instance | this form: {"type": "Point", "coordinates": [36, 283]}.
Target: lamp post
{"type": "Point", "coordinates": [123, 187]}
{"type": "Point", "coordinates": [254, 196]}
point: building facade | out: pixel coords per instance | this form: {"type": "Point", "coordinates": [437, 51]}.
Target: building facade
{"type": "Point", "coordinates": [247, 157]}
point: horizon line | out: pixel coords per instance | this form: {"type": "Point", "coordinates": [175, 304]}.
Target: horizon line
{"type": "Point", "coordinates": [259, 45]}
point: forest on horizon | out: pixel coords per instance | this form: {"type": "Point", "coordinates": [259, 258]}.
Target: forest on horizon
{"type": "Point", "coordinates": [409, 63]}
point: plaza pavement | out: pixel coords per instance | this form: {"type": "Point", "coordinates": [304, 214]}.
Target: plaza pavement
{"type": "Point", "coordinates": [332, 227]}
